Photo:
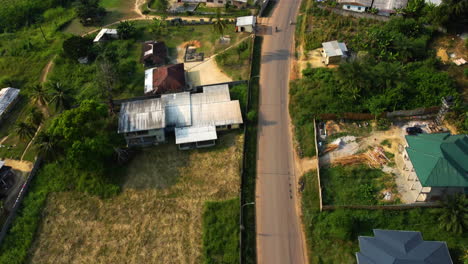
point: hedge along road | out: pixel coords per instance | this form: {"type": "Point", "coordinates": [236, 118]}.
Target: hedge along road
{"type": "Point", "coordinates": [279, 236]}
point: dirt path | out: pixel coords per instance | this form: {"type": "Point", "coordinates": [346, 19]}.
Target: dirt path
{"type": "Point", "coordinates": [24, 166]}
{"type": "Point", "coordinates": [47, 69]}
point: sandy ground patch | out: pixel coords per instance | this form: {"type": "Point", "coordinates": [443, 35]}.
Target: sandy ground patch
{"type": "Point", "coordinates": [145, 223]}
{"type": "Point", "coordinates": [204, 73]}
{"type": "Point", "coordinates": [21, 165]}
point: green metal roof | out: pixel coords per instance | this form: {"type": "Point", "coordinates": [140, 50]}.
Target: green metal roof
{"type": "Point", "coordinates": [440, 160]}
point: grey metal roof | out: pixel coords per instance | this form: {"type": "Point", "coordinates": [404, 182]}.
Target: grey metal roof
{"type": "Point", "coordinates": [389, 5]}
{"type": "Point", "coordinates": [334, 48]}
{"type": "Point", "coordinates": [7, 96]}
{"type": "Point", "coordinates": [366, 3]}
{"type": "Point", "coordinates": [177, 107]}
{"type": "Point", "coordinates": [246, 21]}
{"type": "Point", "coordinates": [195, 134]}
{"type": "Point", "coordinates": [213, 107]}
{"type": "Point", "coordinates": [141, 115]}
{"type": "Point", "coordinates": [401, 247]}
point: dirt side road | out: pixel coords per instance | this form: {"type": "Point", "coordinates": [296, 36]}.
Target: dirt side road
{"type": "Point", "coordinates": [279, 236]}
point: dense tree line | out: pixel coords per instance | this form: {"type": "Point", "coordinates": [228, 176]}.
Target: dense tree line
{"type": "Point", "coordinates": [18, 13]}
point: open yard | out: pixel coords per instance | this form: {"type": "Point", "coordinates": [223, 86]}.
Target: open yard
{"type": "Point", "coordinates": [156, 219]}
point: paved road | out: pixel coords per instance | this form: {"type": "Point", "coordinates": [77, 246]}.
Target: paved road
{"type": "Point", "coordinates": [279, 239]}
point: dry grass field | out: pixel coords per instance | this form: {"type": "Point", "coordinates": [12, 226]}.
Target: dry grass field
{"type": "Point", "coordinates": [156, 219]}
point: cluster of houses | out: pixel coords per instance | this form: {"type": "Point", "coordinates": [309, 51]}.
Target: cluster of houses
{"type": "Point", "coordinates": [172, 106]}
{"type": "Point", "coordinates": [384, 7]}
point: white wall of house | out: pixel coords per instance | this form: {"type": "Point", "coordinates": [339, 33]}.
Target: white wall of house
{"type": "Point", "coordinates": [355, 8]}
{"type": "Point", "coordinates": [149, 137]}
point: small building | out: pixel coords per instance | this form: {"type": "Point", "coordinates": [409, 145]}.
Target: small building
{"type": "Point", "coordinates": [153, 53]}
{"type": "Point", "coordinates": [165, 79]}
{"type": "Point", "coordinates": [8, 97]}
{"type": "Point", "coordinates": [209, 3]}
{"type": "Point", "coordinates": [239, 3]}
{"type": "Point", "coordinates": [333, 52]}
{"type": "Point", "coordinates": [7, 179]}
{"type": "Point", "coordinates": [385, 7]}
{"type": "Point", "coordinates": [391, 246]}
{"type": "Point", "coordinates": [246, 24]}
{"type": "Point", "coordinates": [438, 164]}
{"type": "Point", "coordinates": [106, 34]}
{"type": "Point", "coordinates": [194, 118]}
{"type": "Point", "coordinates": [356, 5]}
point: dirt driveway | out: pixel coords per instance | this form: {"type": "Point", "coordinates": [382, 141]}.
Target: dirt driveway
{"type": "Point", "coordinates": [204, 73]}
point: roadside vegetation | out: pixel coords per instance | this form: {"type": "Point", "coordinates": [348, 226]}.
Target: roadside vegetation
{"type": "Point", "coordinates": [235, 62]}
{"type": "Point", "coordinates": [332, 236]}
{"type": "Point", "coordinates": [391, 68]}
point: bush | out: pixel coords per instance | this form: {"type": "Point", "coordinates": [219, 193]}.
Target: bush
{"type": "Point", "coordinates": [221, 232]}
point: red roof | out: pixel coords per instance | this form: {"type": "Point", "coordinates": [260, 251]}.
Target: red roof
{"type": "Point", "coordinates": [159, 54]}
{"type": "Point", "coordinates": [168, 79]}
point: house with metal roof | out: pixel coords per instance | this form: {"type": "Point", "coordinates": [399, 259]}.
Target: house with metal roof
{"type": "Point", "coordinates": [165, 79]}
{"type": "Point", "coordinates": [246, 24]}
{"type": "Point", "coordinates": [106, 34]}
{"type": "Point", "coordinates": [153, 53]}
{"type": "Point", "coordinates": [438, 164]}
{"type": "Point", "coordinates": [194, 118]}
{"type": "Point", "coordinates": [385, 7]}
{"type": "Point", "coordinates": [392, 247]}
{"type": "Point", "coordinates": [8, 97]}
{"type": "Point", "coordinates": [333, 52]}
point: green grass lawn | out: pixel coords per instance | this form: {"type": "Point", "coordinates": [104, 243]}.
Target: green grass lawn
{"type": "Point", "coordinates": [354, 185]}
{"type": "Point", "coordinates": [332, 235]}
{"type": "Point", "coordinates": [235, 62]}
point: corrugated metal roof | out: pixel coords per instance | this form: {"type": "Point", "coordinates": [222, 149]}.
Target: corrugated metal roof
{"type": "Point", "coordinates": [367, 3]}
{"type": "Point", "coordinates": [149, 80]}
{"type": "Point", "coordinates": [141, 115]}
{"type": "Point", "coordinates": [389, 5]}
{"type": "Point", "coordinates": [334, 48]}
{"type": "Point", "coordinates": [217, 114]}
{"type": "Point", "coordinates": [439, 160]}
{"type": "Point", "coordinates": [212, 94]}
{"type": "Point", "coordinates": [390, 246]}
{"type": "Point", "coordinates": [7, 96]}
{"type": "Point", "coordinates": [246, 21]}
{"type": "Point", "coordinates": [105, 31]}
{"type": "Point", "coordinates": [177, 107]}
{"type": "Point", "coordinates": [195, 134]}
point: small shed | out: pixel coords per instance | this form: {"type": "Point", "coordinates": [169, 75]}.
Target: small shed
{"type": "Point", "coordinates": [356, 5]}
{"type": "Point", "coordinates": [394, 246]}
{"type": "Point", "coordinates": [153, 53]}
{"type": "Point", "coordinates": [166, 79]}
{"type": "Point", "coordinates": [8, 97]}
{"type": "Point", "coordinates": [106, 34]}
{"type": "Point", "coordinates": [334, 52]}
{"type": "Point", "coordinates": [246, 24]}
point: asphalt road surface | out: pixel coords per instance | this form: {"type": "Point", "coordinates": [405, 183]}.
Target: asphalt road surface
{"type": "Point", "coordinates": [279, 239]}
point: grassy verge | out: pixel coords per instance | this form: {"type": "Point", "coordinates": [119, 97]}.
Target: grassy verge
{"type": "Point", "coordinates": [221, 232]}
{"type": "Point", "coordinates": [250, 158]}
{"type": "Point", "coordinates": [235, 62]}
{"type": "Point", "coordinates": [332, 236]}
{"type": "Point", "coordinates": [354, 185]}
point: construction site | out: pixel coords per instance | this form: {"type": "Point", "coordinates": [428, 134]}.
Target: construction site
{"type": "Point", "coordinates": [377, 145]}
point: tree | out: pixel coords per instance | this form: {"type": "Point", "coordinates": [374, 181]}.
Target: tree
{"type": "Point", "coordinates": [24, 130]}
{"type": "Point", "coordinates": [77, 47]}
{"type": "Point", "coordinates": [59, 96]}
{"type": "Point", "coordinates": [161, 5]}
{"type": "Point", "coordinates": [219, 25]}
{"type": "Point", "coordinates": [39, 95]}
{"type": "Point", "coordinates": [89, 12]}
{"type": "Point", "coordinates": [35, 117]}
{"type": "Point", "coordinates": [46, 144]}
{"type": "Point", "coordinates": [126, 29]}
{"type": "Point", "coordinates": [453, 216]}
{"type": "Point", "coordinates": [158, 27]}
{"type": "Point", "coordinates": [107, 79]}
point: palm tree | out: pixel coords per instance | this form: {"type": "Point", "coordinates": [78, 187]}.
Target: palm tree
{"type": "Point", "coordinates": [35, 117]}
{"type": "Point", "coordinates": [46, 144]}
{"type": "Point", "coordinates": [454, 214]}
{"type": "Point", "coordinates": [39, 94]}
{"type": "Point", "coordinates": [59, 96]}
{"type": "Point", "coordinates": [219, 25]}
{"type": "Point", "coordinates": [25, 130]}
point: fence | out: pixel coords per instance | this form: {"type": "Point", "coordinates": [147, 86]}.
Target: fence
{"type": "Point", "coordinates": [344, 12]}
{"type": "Point", "coordinates": [423, 111]}
{"type": "Point", "coordinates": [244, 174]}
{"type": "Point", "coordinates": [318, 165]}
{"type": "Point", "coordinates": [382, 207]}
{"type": "Point", "coordinates": [19, 200]}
